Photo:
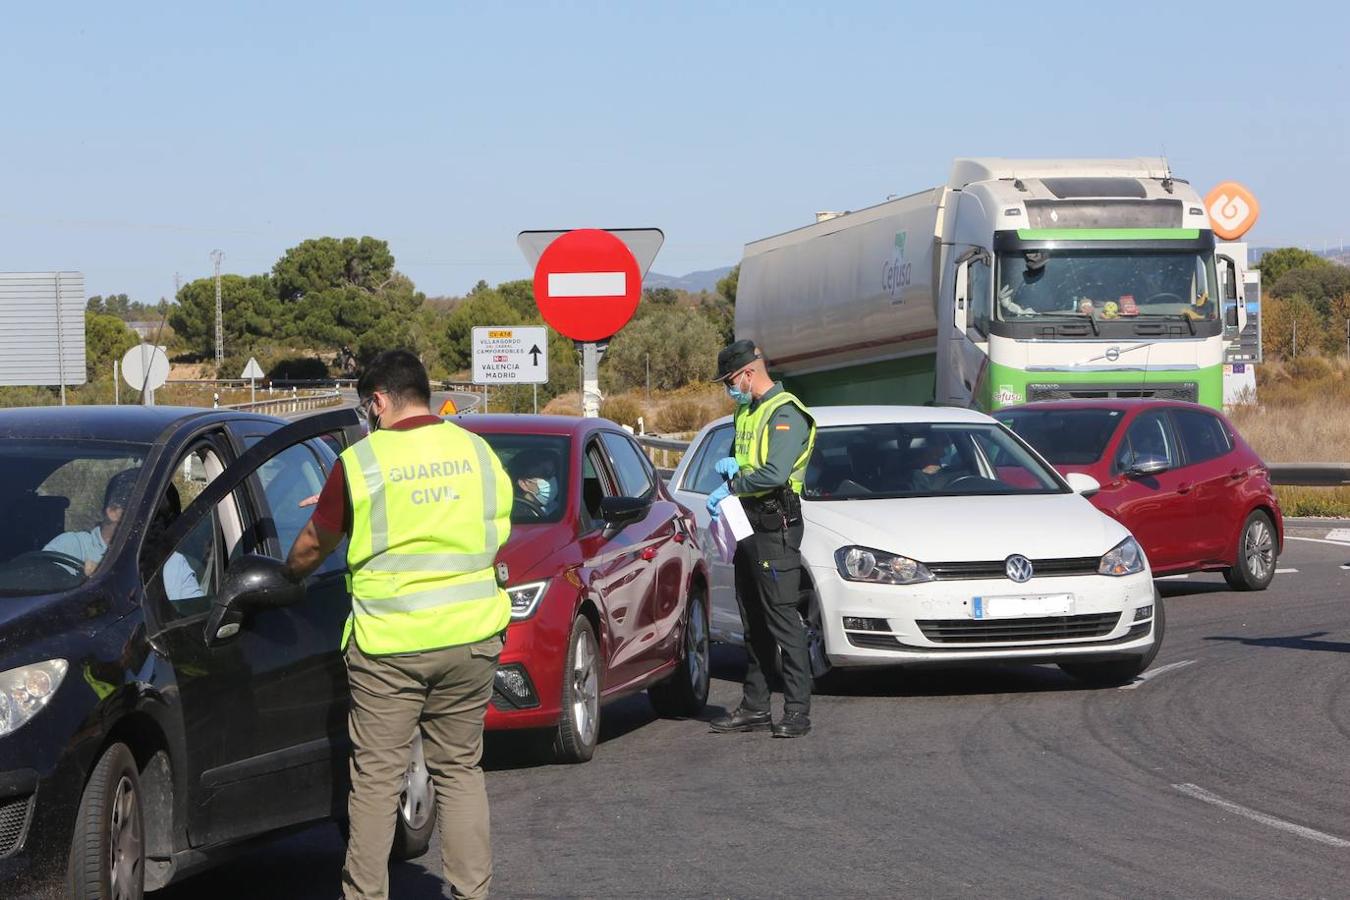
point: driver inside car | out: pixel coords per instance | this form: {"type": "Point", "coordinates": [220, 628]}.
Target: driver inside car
{"type": "Point", "coordinates": [534, 475]}
{"type": "Point", "coordinates": [928, 474]}
{"type": "Point", "coordinates": [180, 583]}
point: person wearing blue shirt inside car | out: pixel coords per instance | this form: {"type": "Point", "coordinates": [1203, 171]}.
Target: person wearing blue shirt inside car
{"type": "Point", "coordinates": [774, 438]}
{"type": "Point", "coordinates": [180, 583]}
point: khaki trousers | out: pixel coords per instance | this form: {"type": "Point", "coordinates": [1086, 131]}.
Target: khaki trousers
{"type": "Point", "coordinates": [447, 692]}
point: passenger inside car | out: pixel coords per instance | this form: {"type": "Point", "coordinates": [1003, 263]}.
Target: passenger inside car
{"type": "Point", "coordinates": [180, 583]}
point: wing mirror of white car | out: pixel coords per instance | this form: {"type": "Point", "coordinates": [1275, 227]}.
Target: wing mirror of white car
{"type": "Point", "coordinates": [1083, 484]}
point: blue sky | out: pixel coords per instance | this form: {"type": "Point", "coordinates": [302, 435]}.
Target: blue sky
{"type": "Point", "coordinates": [139, 137]}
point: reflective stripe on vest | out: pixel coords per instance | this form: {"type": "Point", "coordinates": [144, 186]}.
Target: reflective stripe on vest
{"type": "Point", "coordinates": [752, 439]}
{"type": "Point", "coordinates": [427, 521]}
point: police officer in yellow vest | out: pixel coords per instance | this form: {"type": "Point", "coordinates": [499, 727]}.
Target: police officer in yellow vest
{"type": "Point", "coordinates": [425, 506]}
{"type": "Point", "coordinates": [774, 438]}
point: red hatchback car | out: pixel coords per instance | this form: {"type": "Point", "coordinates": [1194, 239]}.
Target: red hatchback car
{"type": "Point", "coordinates": [609, 592]}
{"type": "Point", "coordinates": [1178, 475]}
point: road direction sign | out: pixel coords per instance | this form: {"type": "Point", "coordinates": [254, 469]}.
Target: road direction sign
{"type": "Point", "coordinates": [252, 370]}
{"type": "Point", "coordinates": [510, 354]}
{"type": "Point", "coordinates": [587, 284]}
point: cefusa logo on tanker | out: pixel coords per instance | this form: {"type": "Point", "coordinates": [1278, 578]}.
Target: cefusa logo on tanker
{"type": "Point", "coordinates": [896, 272]}
{"type": "Point", "coordinates": [448, 468]}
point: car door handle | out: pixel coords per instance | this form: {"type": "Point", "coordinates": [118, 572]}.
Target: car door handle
{"type": "Point", "coordinates": [1184, 487]}
{"type": "Point", "coordinates": [1238, 474]}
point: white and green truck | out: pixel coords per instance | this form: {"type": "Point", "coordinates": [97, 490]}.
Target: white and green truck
{"type": "Point", "coordinates": [1017, 280]}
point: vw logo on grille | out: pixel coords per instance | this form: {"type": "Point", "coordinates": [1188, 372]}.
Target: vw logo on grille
{"type": "Point", "coordinates": [1019, 568]}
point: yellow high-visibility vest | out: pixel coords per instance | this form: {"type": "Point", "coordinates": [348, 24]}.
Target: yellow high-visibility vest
{"type": "Point", "coordinates": [430, 508]}
{"type": "Point", "coordinates": [752, 438]}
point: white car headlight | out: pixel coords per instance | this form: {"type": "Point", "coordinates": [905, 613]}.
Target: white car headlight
{"type": "Point", "coordinates": [525, 598]}
{"type": "Point", "coordinates": [1125, 558]}
{"type": "Point", "coordinates": [879, 567]}
{"type": "Point", "coordinates": [25, 690]}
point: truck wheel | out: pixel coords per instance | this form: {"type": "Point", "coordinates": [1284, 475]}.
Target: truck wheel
{"type": "Point", "coordinates": [579, 725]}
{"type": "Point", "coordinates": [1256, 555]}
{"type": "Point", "coordinates": [107, 853]}
{"type": "Point", "coordinates": [1116, 673]}
{"type": "Point", "coordinates": [685, 693]}
{"type": "Point", "coordinates": [416, 808]}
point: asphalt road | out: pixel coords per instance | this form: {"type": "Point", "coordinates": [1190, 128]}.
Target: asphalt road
{"type": "Point", "coordinates": [464, 402]}
{"type": "Point", "coordinates": [1226, 773]}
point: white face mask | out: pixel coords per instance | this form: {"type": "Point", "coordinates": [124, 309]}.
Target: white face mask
{"type": "Point", "coordinates": [544, 487]}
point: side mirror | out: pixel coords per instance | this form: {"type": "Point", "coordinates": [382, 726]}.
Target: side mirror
{"type": "Point", "coordinates": [252, 582]}
{"type": "Point", "coordinates": [617, 512]}
{"type": "Point", "coordinates": [1083, 484]}
{"type": "Point", "coordinates": [1145, 466]}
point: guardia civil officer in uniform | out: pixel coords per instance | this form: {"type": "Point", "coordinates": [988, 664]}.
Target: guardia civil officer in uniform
{"type": "Point", "coordinates": [774, 438]}
{"type": "Point", "coordinates": [425, 506]}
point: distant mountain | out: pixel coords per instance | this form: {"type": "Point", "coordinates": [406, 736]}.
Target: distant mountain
{"type": "Point", "coordinates": [693, 282]}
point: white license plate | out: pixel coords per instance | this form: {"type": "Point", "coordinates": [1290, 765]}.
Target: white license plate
{"type": "Point", "coordinates": [1022, 606]}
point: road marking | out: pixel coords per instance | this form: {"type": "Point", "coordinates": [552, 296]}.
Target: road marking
{"type": "Point", "coordinates": [1286, 571]}
{"type": "Point", "coordinates": [1312, 834]}
{"type": "Point", "coordinates": [1341, 535]}
{"type": "Point", "coordinates": [1172, 578]}
{"type": "Point", "coordinates": [1346, 566]}
{"type": "Point", "coordinates": [587, 284]}
{"type": "Point", "coordinates": [1154, 673]}
{"type": "Point", "coordinates": [1290, 537]}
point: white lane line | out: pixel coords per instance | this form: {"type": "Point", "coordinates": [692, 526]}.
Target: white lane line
{"type": "Point", "coordinates": [1339, 534]}
{"type": "Point", "coordinates": [1290, 537]}
{"type": "Point", "coordinates": [1312, 834]}
{"type": "Point", "coordinates": [1286, 571]}
{"type": "Point", "coordinates": [1172, 578]}
{"type": "Point", "coordinates": [1346, 566]}
{"type": "Point", "coordinates": [1154, 673]}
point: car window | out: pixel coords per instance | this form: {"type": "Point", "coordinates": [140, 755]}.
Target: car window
{"type": "Point", "coordinates": [630, 464]}
{"type": "Point", "coordinates": [701, 477]}
{"type": "Point", "coordinates": [1149, 437]}
{"type": "Point", "coordinates": [596, 484]}
{"type": "Point", "coordinates": [1065, 437]}
{"type": "Point", "coordinates": [540, 470]}
{"type": "Point", "coordinates": [290, 480]}
{"type": "Point", "coordinates": [1202, 435]}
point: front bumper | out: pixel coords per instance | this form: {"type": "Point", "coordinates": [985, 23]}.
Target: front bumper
{"type": "Point", "coordinates": [527, 691]}
{"type": "Point", "coordinates": [37, 812]}
{"type": "Point", "coordinates": [932, 623]}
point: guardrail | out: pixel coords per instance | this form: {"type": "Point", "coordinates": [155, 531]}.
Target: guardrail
{"type": "Point", "coordinates": [1287, 474]}
{"type": "Point", "coordinates": [288, 403]}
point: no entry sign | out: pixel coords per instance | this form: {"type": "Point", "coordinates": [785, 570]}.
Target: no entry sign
{"type": "Point", "coordinates": [587, 284]}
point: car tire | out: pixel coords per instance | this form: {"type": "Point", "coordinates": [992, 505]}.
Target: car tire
{"type": "Point", "coordinates": [107, 852]}
{"type": "Point", "coordinates": [824, 676]}
{"type": "Point", "coordinates": [416, 808]}
{"type": "Point", "coordinates": [1117, 673]}
{"type": "Point", "coordinates": [1256, 555]}
{"type": "Point", "coordinates": [579, 723]}
{"type": "Point", "coordinates": [685, 693]}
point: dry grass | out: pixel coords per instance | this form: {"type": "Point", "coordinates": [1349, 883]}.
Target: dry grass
{"type": "Point", "coordinates": [1303, 415]}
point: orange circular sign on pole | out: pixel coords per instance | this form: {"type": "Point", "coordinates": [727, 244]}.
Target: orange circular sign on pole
{"type": "Point", "coordinates": [1232, 210]}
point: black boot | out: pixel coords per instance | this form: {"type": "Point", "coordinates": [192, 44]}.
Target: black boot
{"type": "Point", "coordinates": [793, 724]}
{"type": "Point", "coordinates": [742, 720]}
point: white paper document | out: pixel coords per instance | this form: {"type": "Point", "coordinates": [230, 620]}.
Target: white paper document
{"type": "Point", "coordinates": [730, 527]}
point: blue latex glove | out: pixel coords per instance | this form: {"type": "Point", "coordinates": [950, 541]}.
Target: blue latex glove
{"type": "Point", "coordinates": [723, 491]}
{"type": "Point", "coordinates": [727, 467]}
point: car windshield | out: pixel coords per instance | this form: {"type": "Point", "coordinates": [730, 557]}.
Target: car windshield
{"type": "Point", "coordinates": [538, 466]}
{"type": "Point", "coordinates": [63, 503]}
{"type": "Point", "coordinates": [885, 460]}
{"type": "Point", "coordinates": [1065, 437]}
{"type": "Point", "coordinates": [1106, 285]}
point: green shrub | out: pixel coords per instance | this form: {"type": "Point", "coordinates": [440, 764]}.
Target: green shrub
{"type": "Point", "coordinates": [682, 415]}
{"type": "Point", "coordinates": [622, 409]}
{"type": "Point", "coordinates": [1309, 368]}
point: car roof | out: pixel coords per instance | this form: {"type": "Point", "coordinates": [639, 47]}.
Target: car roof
{"type": "Point", "coordinates": [1122, 404]}
{"type": "Point", "coordinates": [135, 424]}
{"type": "Point", "coordinates": [828, 416]}
{"type": "Point", "coordinates": [526, 423]}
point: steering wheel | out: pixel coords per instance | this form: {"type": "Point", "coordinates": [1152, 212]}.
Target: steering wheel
{"type": "Point", "coordinates": [964, 479]}
{"type": "Point", "coordinates": [74, 563]}
{"type": "Point", "coordinates": [1166, 296]}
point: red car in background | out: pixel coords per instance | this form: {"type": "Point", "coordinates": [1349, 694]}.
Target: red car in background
{"type": "Point", "coordinates": [1178, 475]}
{"type": "Point", "coordinates": [609, 591]}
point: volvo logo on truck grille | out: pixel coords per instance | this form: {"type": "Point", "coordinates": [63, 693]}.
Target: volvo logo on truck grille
{"type": "Point", "coordinates": [1019, 568]}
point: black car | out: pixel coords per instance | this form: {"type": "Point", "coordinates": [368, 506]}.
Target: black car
{"type": "Point", "coordinates": [165, 692]}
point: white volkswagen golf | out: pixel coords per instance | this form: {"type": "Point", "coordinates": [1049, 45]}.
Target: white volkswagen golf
{"type": "Point", "coordinates": [935, 535]}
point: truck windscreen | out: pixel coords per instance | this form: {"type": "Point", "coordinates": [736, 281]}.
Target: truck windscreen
{"type": "Point", "coordinates": [1106, 285]}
